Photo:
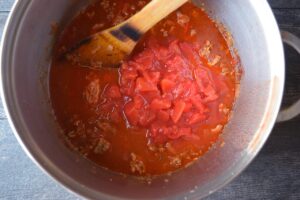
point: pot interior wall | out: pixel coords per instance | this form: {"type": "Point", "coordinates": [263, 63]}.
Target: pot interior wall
{"type": "Point", "coordinates": [32, 116]}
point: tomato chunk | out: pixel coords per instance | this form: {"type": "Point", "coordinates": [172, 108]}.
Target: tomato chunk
{"type": "Point", "coordinates": [176, 113]}
{"type": "Point", "coordinates": [146, 117]}
{"type": "Point", "coordinates": [151, 77]}
{"type": "Point", "coordinates": [166, 89]}
{"type": "Point", "coordinates": [176, 133]}
{"type": "Point", "coordinates": [196, 118]}
{"type": "Point", "coordinates": [113, 92]}
{"type": "Point", "coordinates": [143, 85]}
{"type": "Point", "coordinates": [188, 107]}
{"type": "Point", "coordinates": [132, 113]}
{"type": "Point", "coordinates": [158, 104]}
{"type": "Point", "coordinates": [167, 85]}
{"type": "Point", "coordinates": [197, 102]}
{"type": "Point", "coordinates": [163, 115]}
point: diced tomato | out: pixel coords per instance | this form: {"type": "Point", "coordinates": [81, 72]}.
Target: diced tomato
{"type": "Point", "coordinates": [205, 84]}
{"type": "Point", "coordinates": [155, 76]}
{"type": "Point", "coordinates": [113, 92]}
{"type": "Point", "coordinates": [163, 115]}
{"type": "Point", "coordinates": [167, 85]}
{"type": "Point", "coordinates": [190, 54]}
{"type": "Point", "coordinates": [185, 89]}
{"type": "Point", "coordinates": [129, 74]}
{"type": "Point", "coordinates": [162, 54]}
{"type": "Point", "coordinates": [169, 90]}
{"type": "Point", "coordinates": [145, 61]}
{"type": "Point", "coordinates": [130, 108]}
{"type": "Point", "coordinates": [176, 133]}
{"type": "Point", "coordinates": [158, 104]}
{"type": "Point", "coordinates": [179, 90]}
{"type": "Point", "coordinates": [172, 76]}
{"type": "Point", "coordinates": [129, 89]}
{"type": "Point", "coordinates": [158, 129]}
{"type": "Point", "coordinates": [210, 94]}
{"type": "Point", "coordinates": [196, 118]}
{"type": "Point", "coordinates": [151, 77]}
{"type": "Point", "coordinates": [184, 131]}
{"type": "Point", "coordinates": [144, 86]}
{"type": "Point", "coordinates": [132, 113]}
{"type": "Point", "coordinates": [146, 117]}
{"type": "Point", "coordinates": [202, 78]}
{"type": "Point", "coordinates": [176, 113]}
{"type": "Point", "coordinates": [175, 63]}
{"type": "Point", "coordinates": [139, 101]}
{"type": "Point", "coordinates": [197, 102]}
{"type": "Point", "coordinates": [168, 131]}
{"type": "Point", "coordinates": [193, 89]}
{"type": "Point", "coordinates": [150, 96]}
{"type": "Point", "coordinates": [188, 107]}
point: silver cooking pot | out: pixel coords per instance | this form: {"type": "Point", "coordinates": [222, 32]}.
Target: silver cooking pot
{"type": "Point", "coordinates": [25, 61]}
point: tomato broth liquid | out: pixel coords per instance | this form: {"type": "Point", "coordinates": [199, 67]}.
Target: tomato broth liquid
{"type": "Point", "coordinates": [140, 119]}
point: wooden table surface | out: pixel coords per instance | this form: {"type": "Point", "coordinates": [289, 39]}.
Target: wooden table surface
{"type": "Point", "coordinates": [274, 174]}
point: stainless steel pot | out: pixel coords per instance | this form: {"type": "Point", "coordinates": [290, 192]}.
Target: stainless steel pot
{"type": "Point", "coordinates": [24, 71]}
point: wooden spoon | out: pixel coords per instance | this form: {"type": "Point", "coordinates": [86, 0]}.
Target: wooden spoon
{"type": "Point", "coordinates": [109, 47]}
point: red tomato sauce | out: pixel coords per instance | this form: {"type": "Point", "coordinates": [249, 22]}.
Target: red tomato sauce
{"type": "Point", "coordinates": [163, 108]}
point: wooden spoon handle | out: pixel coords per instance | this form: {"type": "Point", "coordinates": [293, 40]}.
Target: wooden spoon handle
{"type": "Point", "coordinates": [152, 13]}
{"type": "Point", "coordinates": [126, 35]}
{"type": "Point", "coordinates": [118, 42]}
